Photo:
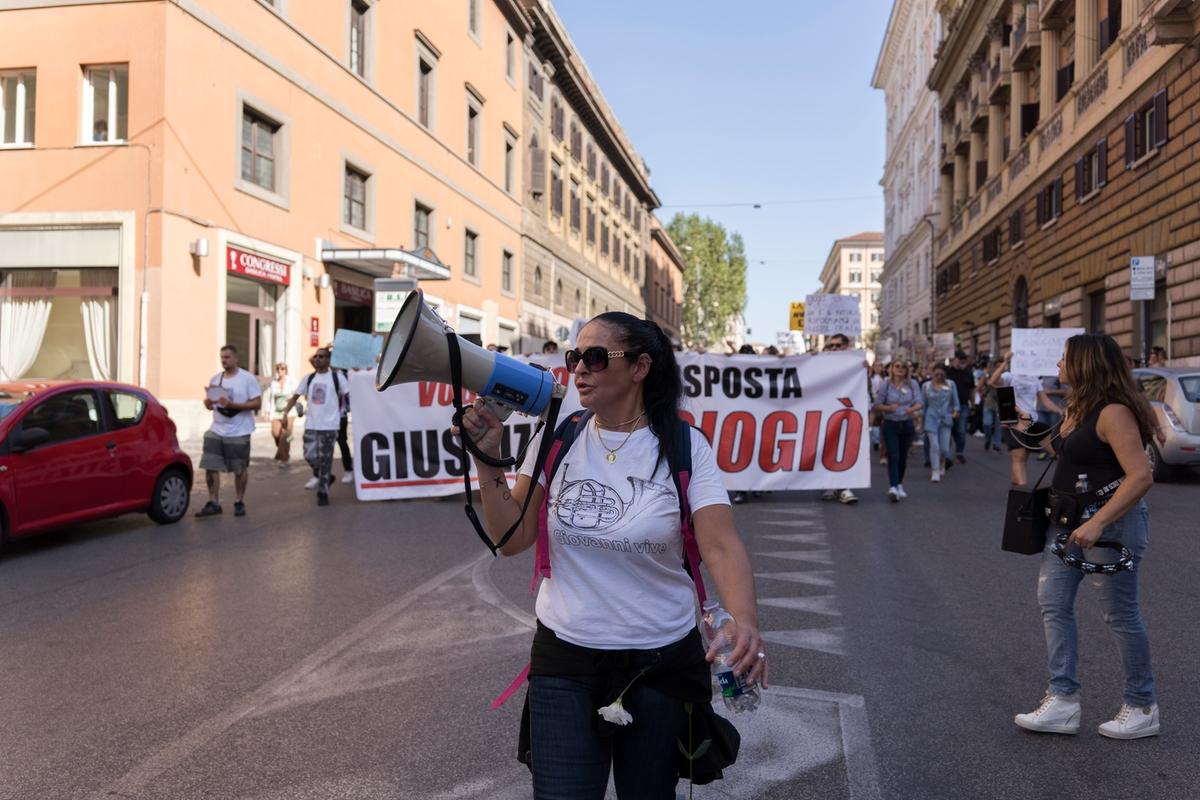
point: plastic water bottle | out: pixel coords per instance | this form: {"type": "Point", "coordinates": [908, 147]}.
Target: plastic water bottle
{"type": "Point", "coordinates": [720, 626]}
{"type": "Point", "coordinates": [1082, 488]}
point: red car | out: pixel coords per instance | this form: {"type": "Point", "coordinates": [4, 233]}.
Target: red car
{"type": "Point", "coordinates": [75, 451]}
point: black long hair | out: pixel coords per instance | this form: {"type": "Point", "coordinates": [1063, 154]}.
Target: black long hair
{"type": "Point", "coordinates": [662, 389]}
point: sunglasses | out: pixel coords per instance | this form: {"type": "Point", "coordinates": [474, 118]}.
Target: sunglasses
{"type": "Point", "coordinates": [594, 358]}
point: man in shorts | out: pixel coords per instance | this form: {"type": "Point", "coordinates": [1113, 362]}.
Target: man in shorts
{"type": "Point", "coordinates": [233, 395]}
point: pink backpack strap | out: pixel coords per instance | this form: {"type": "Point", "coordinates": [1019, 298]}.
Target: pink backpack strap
{"type": "Point", "coordinates": [512, 688]}
{"type": "Point", "coordinates": [691, 550]}
{"type": "Point", "coordinates": [541, 560]}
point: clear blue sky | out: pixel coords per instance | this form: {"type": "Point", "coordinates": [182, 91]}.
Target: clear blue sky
{"type": "Point", "coordinates": [757, 101]}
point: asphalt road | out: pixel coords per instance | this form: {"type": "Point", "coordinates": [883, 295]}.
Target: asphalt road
{"type": "Point", "coordinates": [352, 651]}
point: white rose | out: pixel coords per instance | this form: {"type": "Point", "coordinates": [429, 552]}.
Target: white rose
{"type": "Point", "coordinates": [616, 713]}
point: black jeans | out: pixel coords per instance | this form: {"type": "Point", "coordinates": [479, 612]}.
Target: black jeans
{"type": "Point", "coordinates": [898, 436]}
{"type": "Point", "coordinates": [344, 444]}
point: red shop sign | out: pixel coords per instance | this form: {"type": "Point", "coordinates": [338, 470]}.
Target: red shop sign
{"type": "Point", "coordinates": [314, 332]}
{"type": "Point", "coordinates": [353, 294]}
{"type": "Point", "coordinates": [253, 265]}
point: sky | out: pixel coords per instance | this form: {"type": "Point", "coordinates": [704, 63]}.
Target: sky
{"type": "Point", "coordinates": [760, 101]}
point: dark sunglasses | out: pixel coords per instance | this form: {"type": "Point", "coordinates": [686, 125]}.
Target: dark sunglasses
{"type": "Point", "coordinates": [594, 358]}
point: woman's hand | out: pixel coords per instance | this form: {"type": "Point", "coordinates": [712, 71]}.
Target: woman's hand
{"type": "Point", "coordinates": [744, 657]}
{"type": "Point", "coordinates": [1087, 534]}
{"type": "Point", "coordinates": [484, 428]}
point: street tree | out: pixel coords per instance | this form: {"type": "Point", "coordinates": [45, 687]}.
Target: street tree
{"type": "Point", "coordinates": [714, 278]}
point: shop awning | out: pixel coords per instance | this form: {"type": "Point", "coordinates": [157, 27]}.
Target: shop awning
{"type": "Point", "coordinates": [422, 265]}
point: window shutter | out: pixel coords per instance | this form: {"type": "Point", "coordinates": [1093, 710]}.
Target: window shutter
{"type": "Point", "coordinates": [1041, 208]}
{"type": "Point", "coordinates": [1160, 118]}
{"type": "Point", "coordinates": [1130, 140]}
{"type": "Point", "coordinates": [537, 171]}
{"type": "Point", "coordinates": [1056, 211]}
{"type": "Point", "coordinates": [1102, 162]}
{"type": "Point", "coordinates": [1079, 188]}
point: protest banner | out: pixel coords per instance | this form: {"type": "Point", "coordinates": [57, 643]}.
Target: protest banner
{"type": "Point", "coordinates": [828, 314]}
{"type": "Point", "coordinates": [1036, 351]}
{"type": "Point", "coordinates": [943, 345]}
{"type": "Point", "coordinates": [354, 350]}
{"type": "Point", "coordinates": [776, 424]}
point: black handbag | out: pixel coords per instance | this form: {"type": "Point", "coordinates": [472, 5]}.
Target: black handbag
{"type": "Point", "coordinates": [1027, 519]}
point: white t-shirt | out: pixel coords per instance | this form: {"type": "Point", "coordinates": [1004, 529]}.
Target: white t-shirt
{"type": "Point", "coordinates": [616, 552]}
{"type": "Point", "coordinates": [1025, 390]}
{"type": "Point", "coordinates": [243, 387]}
{"type": "Point", "coordinates": [324, 407]}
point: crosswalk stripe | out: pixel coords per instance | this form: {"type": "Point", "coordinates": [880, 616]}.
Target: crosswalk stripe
{"type": "Point", "coordinates": [818, 577]}
{"type": "Point", "coordinates": [790, 523]}
{"type": "Point", "coordinates": [819, 604]}
{"type": "Point", "coordinates": [825, 640]}
{"type": "Point", "coordinates": [799, 538]}
{"type": "Point", "coordinates": [814, 556]}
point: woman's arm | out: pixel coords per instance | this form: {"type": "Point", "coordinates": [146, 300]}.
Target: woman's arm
{"type": "Point", "coordinates": [1118, 428]}
{"type": "Point", "coordinates": [723, 552]}
{"type": "Point", "coordinates": [997, 379]}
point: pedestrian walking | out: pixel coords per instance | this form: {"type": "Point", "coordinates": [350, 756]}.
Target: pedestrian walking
{"type": "Point", "coordinates": [343, 437]}
{"type": "Point", "coordinates": [616, 634]}
{"type": "Point", "coordinates": [834, 344]}
{"type": "Point", "coordinates": [1028, 392]}
{"type": "Point", "coordinates": [875, 383]}
{"type": "Point", "coordinates": [279, 392]}
{"type": "Point", "coordinates": [992, 429]}
{"type": "Point", "coordinates": [900, 403]}
{"type": "Point", "coordinates": [942, 412]}
{"type": "Point", "coordinates": [323, 389]}
{"type": "Point", "coordinates": [1103, 471]}
{"type": "Point", "coordinates": [962, 376]}
{"type": "Point", "coordinates": [1158, 357]}
{"type": "Point", "coordinates": [233, 395]}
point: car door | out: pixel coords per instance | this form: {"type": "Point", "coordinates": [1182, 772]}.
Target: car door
{"type": "Point", "coordinates": [132, 450]}
{"type": "Point", "coordinates": [68, 476]}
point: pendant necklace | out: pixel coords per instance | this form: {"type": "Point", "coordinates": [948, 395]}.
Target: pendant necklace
{"type": "Point", "coordinates": [612, 453]}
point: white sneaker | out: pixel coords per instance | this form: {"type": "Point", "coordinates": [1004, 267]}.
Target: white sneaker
{"type": "Point", "coordinates": [1055, 715]}
{"type": "Point", "coordinates": [829, 494]}
{"type": "Point", "coordinates": [846, 496]}
{"type": "Point", "coordinates": [900, 491]}
{"type": "Point", "coordinates": [893, 495]}
{"type": "Point", "coordinates": [1132, 722]}
{"type": "Point", "coordinates": [935, 477]}
{"type": "Point", "coordinates": [312, 482]}
{"type": "Point", "coordinates": [348, 477]}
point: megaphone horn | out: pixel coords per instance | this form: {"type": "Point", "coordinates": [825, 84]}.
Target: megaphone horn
{"type": "Point", "coordinates": [417, 349]}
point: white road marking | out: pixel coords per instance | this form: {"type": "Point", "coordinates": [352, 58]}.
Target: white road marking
{"type": "Point", "coordinates": [825, 640]}
{"type": "Point", "coordinates": [814, 556]}
{"type": "Point", "coordinates": [790, 523]}
{"type": "Point", "coordinates": [820, 604]}
{"type": "Point", "coordinates": [818, 577]}
{"type": "Point", "coordinates": [798, 538]}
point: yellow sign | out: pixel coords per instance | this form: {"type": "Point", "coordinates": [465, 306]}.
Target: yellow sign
{"type": "Point", "coordinates": [797, 317]}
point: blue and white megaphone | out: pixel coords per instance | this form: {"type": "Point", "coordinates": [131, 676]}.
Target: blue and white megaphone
{"type": "Point", "coordinates": [417, 349]}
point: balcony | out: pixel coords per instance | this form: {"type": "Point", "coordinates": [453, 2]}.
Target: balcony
{"type": "Point", "coordinates": [1054, 13]}
{"type": "Point", "coordinates": [1000, 81]}
{"type": "Point", "coordinates": [1027, 40]}
{"type": "Point", "coordinates": [1175, 21]}
{"type": "Point", "coordinates": [978, 114]}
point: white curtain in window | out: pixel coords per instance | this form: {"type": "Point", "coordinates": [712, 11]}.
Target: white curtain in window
{"type": "Point", "coordinates": [99, 328]}
{"type": "Point", "coordinates": [23, 321]}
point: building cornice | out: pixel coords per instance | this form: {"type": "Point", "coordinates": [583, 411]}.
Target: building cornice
{"type": "Point", "coordinates": [661, 235]}
{"type": "Point", "coordinates": [961, 42]}
{"type": "Point", "coordinates": [893, 37]}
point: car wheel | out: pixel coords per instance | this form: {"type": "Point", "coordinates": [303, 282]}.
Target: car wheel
{"type": "Point", "coordinates": [1160, 470]}
{"type": "Point", "coordinates": [171, 497]}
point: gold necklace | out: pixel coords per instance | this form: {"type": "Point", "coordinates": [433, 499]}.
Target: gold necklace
{"type": "Point", "coordinates": [619, 424]}
{"type": "Point", "coordinates": [612, 454]}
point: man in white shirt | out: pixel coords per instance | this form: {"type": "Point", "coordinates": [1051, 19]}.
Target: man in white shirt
{"type": "Point", "coordinates": [325, 390]}
{"type": "Point", "coordinates": [233, 395]}
{"type": "Point", "coordinates": [1029, 396]}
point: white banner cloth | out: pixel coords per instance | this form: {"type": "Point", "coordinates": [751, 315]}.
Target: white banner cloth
{"type": "Point", "coordinates": [797, 422]}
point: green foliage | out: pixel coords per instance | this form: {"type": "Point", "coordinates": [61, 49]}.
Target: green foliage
{"type": "Point", "coordinates": [714, 279]}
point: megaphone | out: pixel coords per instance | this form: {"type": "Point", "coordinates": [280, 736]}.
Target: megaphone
{"type": "Point", "coordinates": [418, 349]}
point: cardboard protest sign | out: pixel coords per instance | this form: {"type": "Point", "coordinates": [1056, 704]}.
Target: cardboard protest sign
{"type": "Point", "coordinates": [354, 350]}
{"type": "Point", "coordinates": [828, 314]}
{"type": "Point", "coordinates": [1036, 351]}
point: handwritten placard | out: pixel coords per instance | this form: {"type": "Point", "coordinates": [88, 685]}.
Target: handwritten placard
{"type": "Point", "coordinates": [1036, 351]}
{"type": "Point", "coordinates": [943, 345]}
{"type": "Point", "coordinates": [828, 314]}
{"type": "Point", "coordinates": [355, 350]}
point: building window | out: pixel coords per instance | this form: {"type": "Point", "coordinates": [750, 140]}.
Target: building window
{"type": "Point", "coordinates": [576, 142]}
{"type": "Point", "coordinates": [1021, 304]}
{"type": "Point", "coordinates": [877, 257]}
{"type": "Point", "coordinates": [510, 56]}
{"type": "Point", "coordinates": [358, 37]}
{"type": "Point", "coordinates": [258, 149]}
{"type": "Point", "coordinates": [537, 281]}
{"type": "Point", "coordinates": [1016, 229]}
{"type": "Point", "coordinates": [425, 76]}
{"type": "Point", "coordinates": [1049, 203]}
{"type": "Point", "coordinates": [591, 221]}
{"type": "Point", "coordinates": [626, 247]}
{"type": "Point", "coordinates": [854, 257]}
{"type": "Point", "coordinates": [578, 302]}
{"type": "Point", "coordinates": [106, 103]}
{"type": "Point", "coordinates": [474, 112]}
{"type": "Point", "coordinates": [556, 190]}
{"type": "Point", "coordinates": [1146, 130]}
{"type": "Point", "coordinates": [473, 17]}
{"type": "Point", "coordinates": [1096, 311]}
{"type": "Point", "coordinates": [558, 293]}
{"type": "Point", "coordinates": [591, 162]}
{"type": "Point", "coordinates": [557, 118]}
{"type": "Point", "coordinates": [855, 276]}
{"type": "Point", "coordinates": [604, 237]}
{"type": "Point", "coordinates": [510, 159]}
{"type": "Point", "coordinates": [1063, 80]}
{"type": "Point", "coordinates": [576, 203]}
{"type": "Point", "coordinates": [604, 179]}
{"type": "Point", "coordinates": [506, 272]}
{"type": "Point", "coordinates": [536, 82]}
{"type": "Point", "coordinates": [616, 197]}
{"type": "Point", "coordinates": [354, 199]}
{"type": "Point", "coordinates": [1091, 171]}
{"type": "Point", "coordinates": [421, 218]}
{"type": "Point", "coordinates": [628, 208]}
{"type": "Point", "coordinates": [875, 274]}
{"type": "Point", "coordinates": [637, 268]}
{"type": "Point", "coordinates": [470, 241]}
{"type": "Point", "coordinates": [991, 246]}
{"type": "Point", "coordinates": [18, 99]}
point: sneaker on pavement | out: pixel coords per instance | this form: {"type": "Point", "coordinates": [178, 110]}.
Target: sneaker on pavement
{"type": "Point", "coordinates": [239, 509]}
{"type": "Point", "coordinates": [1132, 722]}
{"type": "Point", "coordinates": [846, 497]}
{"type": "Point", "coordinates": [829, 494]}
{"type": "Point", "coordinates": [348, 477]}
{"type": "Point", "coordinates": [900, 491]}
{"type": "Point", "coordinates": [1056, 714]}
{"type": "Point", "coordinates": [961, 458]}
{"type": "Point", "coordinates": [312, 482]}
{"type": "Point", "coordinates": [322, 499]}
{"type": "Point", "coordinates": [935, 477]}
{"type": "Point", "coordinates": [893, 495]}
{"type": "Point", "coordinates": [738, 498]}
{"type": "Point", "coordinates": [210, 509]}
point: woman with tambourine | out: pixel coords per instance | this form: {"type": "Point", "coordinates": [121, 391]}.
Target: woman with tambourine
{"type": "Point", "coordinates": [1097, 506]}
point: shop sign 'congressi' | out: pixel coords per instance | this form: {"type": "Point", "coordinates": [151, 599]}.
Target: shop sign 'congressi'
{"type": "Point", "coordinates": [797, 422]}
{"type": "Point", "coordinates": [252, 265]}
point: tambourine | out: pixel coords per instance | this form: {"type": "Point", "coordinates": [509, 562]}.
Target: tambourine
{"type": "Point", "coordinates": [1059, 548]}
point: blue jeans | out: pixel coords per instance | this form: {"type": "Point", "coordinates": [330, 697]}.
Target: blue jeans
{"type": "Point", "coordinates": [939, 445]}
{"type": "Point", "coordinates": [960, 431]}
{"type": "Point", "coordinates": [571, 760]}
{"type": "Point", "coordinates": [898, 436]}
{"type": "Point", "coordinates": [1057, 586]}
{"type": "Point", "coordinates": [991, 427]}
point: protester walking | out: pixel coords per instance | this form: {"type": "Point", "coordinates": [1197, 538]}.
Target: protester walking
{"type": "Point", "coordinates": [1028, 392]}
{"type": "Point", "coordinates": [834, 344]}
{"type": "Point", "coordinates": [875, 382]}
{"type": "Point", "coordinates": [962, 376]}
{"type": "Point", "coordinates": [343, 437]}
{"type": "Point", "coordinates": [992, 430]}
{"type": "Point", "coordinates": [233, 395]}
{"type": "Point", "coordinates": [324, 390]}
{"type": "Point", "coordinates": [279, 392]}
{"type": "Point", "coordinates": [616, 634]}
{"type": "Point", "coordinates": [942, 412]}
{"type": "Point", "coordinates": [900, 403]}
{"type": "Point", "coordinates": [1098, 491]}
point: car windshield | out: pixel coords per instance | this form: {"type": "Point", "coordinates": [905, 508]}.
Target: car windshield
{"type": "Point", "coordinates": [1190, 384]}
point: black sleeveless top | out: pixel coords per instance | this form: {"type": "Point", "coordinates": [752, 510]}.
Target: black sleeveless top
{"type": "Point", "coordinates": [1082, 452]}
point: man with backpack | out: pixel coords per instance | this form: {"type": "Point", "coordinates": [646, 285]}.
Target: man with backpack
{"type": "Point", "coordinates": [325, 391]}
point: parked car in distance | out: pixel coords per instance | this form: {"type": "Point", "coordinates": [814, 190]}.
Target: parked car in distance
{"type": "Point", "coordinates": [1174, 392]}
{"type": "Point", "coordinates": [72, 451]}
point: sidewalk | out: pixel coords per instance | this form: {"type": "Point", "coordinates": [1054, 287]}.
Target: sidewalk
{"type": "Point", "coordinates": [262, 446]}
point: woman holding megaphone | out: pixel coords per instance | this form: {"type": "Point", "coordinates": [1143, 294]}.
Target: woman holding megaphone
{"type": "Point", "coordinates": [618, 668]}
{"type": "Point", "coordinates": [1096, 500]}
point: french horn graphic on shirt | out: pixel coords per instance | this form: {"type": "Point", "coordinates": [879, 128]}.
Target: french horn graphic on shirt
{"type": "Point", "coordinates": [589, 505]}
